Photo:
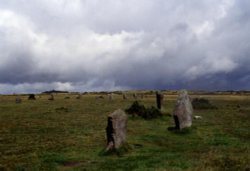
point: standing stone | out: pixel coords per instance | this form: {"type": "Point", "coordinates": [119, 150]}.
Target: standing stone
{"type": "Point", "coordinates": [124, 96]}
{"type": "Point", "coordinates": [142, 96]}
{"type": "Point", "coordinates": [111, 96]}
{"type": "Point", "coordinates": [99, 97]}
{"type": "Point", "coordinates": [79, 96]}
{"type": "Point", "coordinates": [51, 97]}
{"type": "Point", "coordinates": [183, 111]}
{"type": "Point", "coordinates": [135, 96]}
{"type": "Point", "coordinates": [18, 100]}
{"type": "Point", "coordinates": [116, 130]}
{"type": "Point", "coordinates": [159, 99]}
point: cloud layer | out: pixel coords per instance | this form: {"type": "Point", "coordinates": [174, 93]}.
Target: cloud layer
{"type": "Point", "coordinates": [95, 45]}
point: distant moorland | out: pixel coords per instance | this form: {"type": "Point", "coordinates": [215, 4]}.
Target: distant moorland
{"type": "Point", "coordinates": [68, 133]}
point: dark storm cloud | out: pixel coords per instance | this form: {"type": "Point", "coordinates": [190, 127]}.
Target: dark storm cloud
{"type": "Point", "coordinates": [116, 44]}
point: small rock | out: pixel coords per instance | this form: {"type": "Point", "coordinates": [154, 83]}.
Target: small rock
{"type": "Point", "coordinates": [197, 117]}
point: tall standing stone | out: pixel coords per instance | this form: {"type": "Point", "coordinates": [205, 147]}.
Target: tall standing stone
{"type": "Point", "coordinates": [124, 96]}
{"type": "Point", "coordinates": [142, 96]}
{"type": "Point", "coordinates": [159, 99]}
{"type": "Point", "coordinates": [18, 100]}
{"type": "Point", "coordinates": [135, 96]}
{"type": "Point", "coordinates": [116, 130]}
{"type": "Point", "coordinates": [183, 111]}
{"type": "Point", "coordinates": [111, 96]}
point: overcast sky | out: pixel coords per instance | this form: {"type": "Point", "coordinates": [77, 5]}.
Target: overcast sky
{"type": "Point", "coordinates": [94, 45]}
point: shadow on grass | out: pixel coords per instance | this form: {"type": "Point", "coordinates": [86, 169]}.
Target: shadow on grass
{"type": "Point", "coordinates": [50, 160]}
{"type": "Point", "coordinates": [118, 152]}
{"type": "Point", "coordinates": [181, 131]}
{"type": "Point", "coordinates": [146, 162]}
{"type": "Point", "coordinates": [229, 163]}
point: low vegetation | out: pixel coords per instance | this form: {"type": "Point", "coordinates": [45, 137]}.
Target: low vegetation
{"type": "Point", "coordinates": [140, 110]}
{"type": "Point", "coordinates": [69, 134]}
{"type": "Point", "coordinates": [201, 103]}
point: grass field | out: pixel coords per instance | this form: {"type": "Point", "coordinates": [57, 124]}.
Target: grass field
{"type": "Point", "coordinates": [69, 134]}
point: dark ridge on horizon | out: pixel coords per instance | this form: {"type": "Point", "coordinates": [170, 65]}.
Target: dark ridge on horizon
{"type": "Point", "coordinates": [54, 91]}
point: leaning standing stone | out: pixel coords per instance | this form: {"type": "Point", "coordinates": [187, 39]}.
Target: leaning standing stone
{"type": "Point", "coordinates": [116, 130]}
{"type": "Point", "coordinates": [183, 111]}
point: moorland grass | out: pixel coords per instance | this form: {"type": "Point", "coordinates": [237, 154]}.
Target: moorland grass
{"type": "Point", "coordinates": [69, 134]}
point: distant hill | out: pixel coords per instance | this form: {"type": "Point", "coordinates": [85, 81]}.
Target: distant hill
{"type": "Point", "coordinates": [54, 91]}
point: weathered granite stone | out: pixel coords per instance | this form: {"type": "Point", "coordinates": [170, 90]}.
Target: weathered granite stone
{"type": "Point", "coordinates": [135, 96]}
{"type": "Point", "coordinates": [142, 96]}
{"type": "Point", "coordinates": [183, 111]}
{"type": "Point", "coordinates": [18, 100]}
{"type": "Point", "coordinates": [111, 96]}
{"type": "Point", "coordinates": [51, 97]}
{"type": "Point", "coordinates": [159, 99]}
{"type": "Point", "coordinates": [116, 130]}
{"type": "Point", "coordinates": [124, 96]}
{"type": "Point", "coordinates": [79, 96]}
{"type": "Point", "coordinates": [99, 97]}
